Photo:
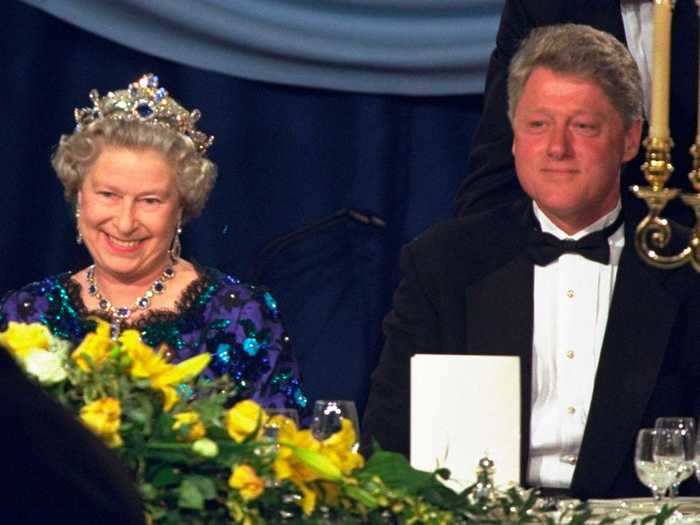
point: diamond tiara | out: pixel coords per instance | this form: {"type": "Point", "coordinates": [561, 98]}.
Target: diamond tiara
{"type": "Point", "coordinates": [144, 101]}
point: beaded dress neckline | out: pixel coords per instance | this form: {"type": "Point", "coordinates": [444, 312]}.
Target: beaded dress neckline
{"type": "Point", "coordinates": [159, 315]}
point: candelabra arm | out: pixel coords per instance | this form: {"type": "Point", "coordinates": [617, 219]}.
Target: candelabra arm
{"type": "Point", "coordinates": [653, 233]}
{"type": "Point", "coordinates": [692, 200]}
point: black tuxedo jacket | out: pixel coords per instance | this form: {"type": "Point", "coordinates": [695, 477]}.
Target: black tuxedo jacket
{"type": "Point", "coordinates": [491, 179]}
{"type": "Point", "coordinates": [467, 288]}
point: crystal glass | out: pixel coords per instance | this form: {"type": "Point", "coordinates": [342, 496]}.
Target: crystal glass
{"type": "Point", "coordinates": [658, 456]}
{"type": "Point", "coordinates": [279, 418]}
{"type": "Point", "coordinates": [686, 427]}
{"type": "Point", "coordinates": [328, 416]}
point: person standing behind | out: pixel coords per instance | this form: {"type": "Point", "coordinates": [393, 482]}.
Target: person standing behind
{"type": "Point", "coordinates": [606, 343]}
{"type": "Point", "coordinates": [491, 179]}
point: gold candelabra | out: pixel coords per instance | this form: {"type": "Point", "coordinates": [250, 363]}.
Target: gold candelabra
{"type": "Point", "coordinates": [653, 233]}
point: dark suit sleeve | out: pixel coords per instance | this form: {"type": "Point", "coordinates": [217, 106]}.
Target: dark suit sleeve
{"type": "Point", "coordinates": [490, 179]}
{"type": "Point", "coordinates": [410, 328]}
{"type": "Point", "coordinates": [54, 470]}
{"type": "Point", "coordinates": [692, 350]}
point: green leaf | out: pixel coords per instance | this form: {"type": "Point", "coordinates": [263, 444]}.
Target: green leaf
{"type": "Point", "coordinates": [396, 472]}
{"type": "Point", "coordinates": [317, 462]}
{"type": "Point", "coordinates": [166, 477]}
{"type": "Point", "coordinates": [361, 495]}
{"type": "Point", "coordinates": [205, 485]}
{"type": "Point", "coordinates": [190, 497]}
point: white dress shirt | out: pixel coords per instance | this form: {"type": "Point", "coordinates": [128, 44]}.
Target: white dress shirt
{"type": "Point", "coordinates": [638, 19]}
{"type": "Point", "coordinates": [571, 301]}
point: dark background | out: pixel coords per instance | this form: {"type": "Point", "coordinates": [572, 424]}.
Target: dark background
{"type": "Point", "coordinates": [289, 158]}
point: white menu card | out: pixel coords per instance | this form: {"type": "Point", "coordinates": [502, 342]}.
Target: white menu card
{"type": "Point", "coordinates": [463, 407]}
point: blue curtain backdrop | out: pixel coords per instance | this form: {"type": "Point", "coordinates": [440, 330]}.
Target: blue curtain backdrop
{"type": "Point", "coordinates": [407, 47]}
{"type": "Point", "coordinates": [289, 157]}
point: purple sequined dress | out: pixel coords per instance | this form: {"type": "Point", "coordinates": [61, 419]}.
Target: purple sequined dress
{"type": "Point", "coordinates": [237, 324]}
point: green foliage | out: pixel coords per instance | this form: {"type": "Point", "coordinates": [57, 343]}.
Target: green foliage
{"type": "Point", "coordinates": [192, 467]}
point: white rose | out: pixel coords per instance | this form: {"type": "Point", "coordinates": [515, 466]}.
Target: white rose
{"type": "Point", "coordinates": [47, 367]}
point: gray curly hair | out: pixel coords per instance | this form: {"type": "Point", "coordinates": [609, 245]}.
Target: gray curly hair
{"type": "Point", "coordinates": [195, 175]}
{"type": "Point", "coordinates": [582, 51]}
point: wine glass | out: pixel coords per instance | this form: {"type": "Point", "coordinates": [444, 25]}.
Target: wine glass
{"type": "Point", "coordinates": [279, 418]}
{"type": "Point", "coordinates": [686, 427]}
{"type": "Point", "coordinates": [657, 458]}
{"type": "Point", "coordinates": [328, 416]}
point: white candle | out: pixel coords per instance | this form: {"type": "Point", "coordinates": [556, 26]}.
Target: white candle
{"type": "Point", "coordinates": [658, 125]}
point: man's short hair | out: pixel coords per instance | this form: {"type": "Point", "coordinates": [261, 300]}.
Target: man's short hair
{"type": "Point", "coordinates": [581, 51]}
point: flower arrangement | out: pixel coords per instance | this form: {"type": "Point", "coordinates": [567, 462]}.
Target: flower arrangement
{"type": "Point", "coordinates": [196, 460]}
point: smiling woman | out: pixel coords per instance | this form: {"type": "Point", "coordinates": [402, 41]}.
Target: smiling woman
{"type": "Point", "coordinates": [136, 170]}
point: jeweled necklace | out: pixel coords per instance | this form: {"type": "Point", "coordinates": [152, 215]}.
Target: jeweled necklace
{"type": "Point", "coordinates": [122, 313]}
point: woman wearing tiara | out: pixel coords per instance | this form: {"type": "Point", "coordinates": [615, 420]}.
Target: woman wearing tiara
{"type": "Point", "coordinates": [136, 170]}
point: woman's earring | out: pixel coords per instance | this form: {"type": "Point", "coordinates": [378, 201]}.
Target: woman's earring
{"type": "Point", "coordinates": [176, 246]}
{"type": "Point", "coordinates": [79, 236]}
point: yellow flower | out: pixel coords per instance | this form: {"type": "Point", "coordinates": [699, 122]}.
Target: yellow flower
{"type": "Point", "coordinates": [145, 362]}
{"type": "Point", "coordinates": [287, 465]}
{"type": "Point", "coordinates": [95, 348]}
{"type": "Point", "coordinates": [20, 338]}
{"type": "Point", "coordinates": [245, 418]}
{"type": "Point", "coordinates": [244, 479]}
{"type": "Point", "coordinates": [103, 417]}
{"type": "Point", "coordinates": [308, 498]}
{"type": "Point", "coordinates": [340, 448]}
{"type": "Point", "coordinates": [149, 364]}
{"type": "Point", "coordinates": [297, 452]}
{"type": "Point", "coordinates": [302, 459]}
{"type": "Point", "coordinates": [196, 428]}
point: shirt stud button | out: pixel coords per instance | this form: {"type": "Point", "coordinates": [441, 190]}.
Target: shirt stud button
{"type": "Point", "coordinates": [570, 293]}
{"type": "Point", "coordinates": [570, 354]}
{"type": "Point", "coordinates": [571, 410]}
{"type": "Point", "coordinates": [569, 459]}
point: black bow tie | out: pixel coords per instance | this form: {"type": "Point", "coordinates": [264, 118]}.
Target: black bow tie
{"type": "Point", "coordinates": [545, 248]}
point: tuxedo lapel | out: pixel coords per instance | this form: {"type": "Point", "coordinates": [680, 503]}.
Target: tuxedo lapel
{"type": "Point", "coordinates": [499, 322]}
{"type": "Point", "coordinates": [637, 335]}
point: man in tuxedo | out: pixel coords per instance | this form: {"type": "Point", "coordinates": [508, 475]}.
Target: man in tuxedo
{"type": "Point", "coordinates": [491, 180]}
{"type": "Point", "coordinates": [606, 343]}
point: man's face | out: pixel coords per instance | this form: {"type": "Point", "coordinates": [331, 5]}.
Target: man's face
{"type": "Point", "coordinates": [569, 145]}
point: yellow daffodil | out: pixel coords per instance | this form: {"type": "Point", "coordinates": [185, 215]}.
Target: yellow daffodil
{"type": "Point", "coordinates": [146, 363]}
{"type": "Point", "coordinates": [308, 498]}
{"type": "Point", "coordinates": [340, 448]}
{"type": "Point", "coordinates": [303, 459]}
{"type": "Point", "coordinates": [180, 373]}
{"type": "Point", "coordinates": [95, 348]}
{"type": "Point", "coordinates": [296, 454]}
{"type": "Point", "coordinates": [244, 479]}
{"type": "Point", "coordinates": [196, 428]}
{"type": "Point", "coordinates": [20, 338]}
{"type": "Point", "coordinates": [243, 419]}
{"type": "Point", "coordinates": [103, 417]}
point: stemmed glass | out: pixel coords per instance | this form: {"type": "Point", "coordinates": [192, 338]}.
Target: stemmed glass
{"type": "Point", "coordinates": [278, 419]}
{"type": "Point", "coordinates": [686, 427]}
{"type": "Point", "coordinates": [328, 416]}
{"type": "Point", "coordinates": [657, 458]}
